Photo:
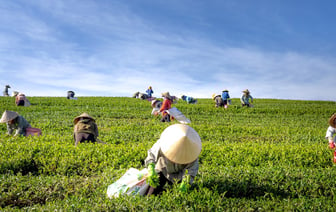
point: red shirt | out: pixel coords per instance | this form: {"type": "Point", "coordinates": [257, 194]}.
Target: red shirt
{"type": "Point", "coordinates": [165, 106]}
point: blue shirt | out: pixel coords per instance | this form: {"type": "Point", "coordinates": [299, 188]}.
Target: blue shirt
{"type": "Point", "coordinates": [149, 92]}
{"type": "Point", "coordinates": [225, 95]}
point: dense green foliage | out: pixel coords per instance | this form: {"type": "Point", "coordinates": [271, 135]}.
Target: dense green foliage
{"type": "Point", "coordinates": [270, 157]}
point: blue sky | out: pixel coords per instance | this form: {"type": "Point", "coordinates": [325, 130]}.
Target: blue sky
{"type": "Point", "coordinates": [282, 49]}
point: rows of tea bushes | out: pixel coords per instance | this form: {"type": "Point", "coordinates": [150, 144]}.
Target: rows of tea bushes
{"type": "Point", "coordinates": [270, 157]}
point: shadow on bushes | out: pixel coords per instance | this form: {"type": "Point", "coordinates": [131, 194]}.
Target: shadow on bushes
{"type": "Point", "coordinates": [24, 167]}
{"type": "Point", "coordinates": [243, 189]}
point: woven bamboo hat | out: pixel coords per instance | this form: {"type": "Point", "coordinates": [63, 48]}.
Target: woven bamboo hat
{"type": "Point", "coordinates": [8, 116]}
{"type": "Point", "coordinates": [180, 144]}
{"type": "Point", "coordinates": [246, 91]}
{"type": "Point", "coordinates": [332, 121]}
{"type": "Point", "coordinates": [83, 115]}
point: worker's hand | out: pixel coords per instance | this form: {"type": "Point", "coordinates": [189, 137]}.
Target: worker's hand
{"type": "Point", "coordinates": [156, 113]}
{"type": "Point", "coordinates": [184, 186]}
{"type": "Point", "coordinates": [331, 144]}
{"type": "Point", "coordinates": [153, 178]}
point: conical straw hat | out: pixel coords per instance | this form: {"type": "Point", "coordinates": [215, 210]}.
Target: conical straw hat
{"type": "Point", "coordinates": [213, 96]}
{"type": "Point", "coordinates": [332, 121]}
{"type": "Point", "coordinates": [8, 115]}
{"type": "Point", "coordinates": [83, 115]}
{"type": "Point", "coordinates": [246, 91]}
{"type": "Point", "coordinates": [180, 144]}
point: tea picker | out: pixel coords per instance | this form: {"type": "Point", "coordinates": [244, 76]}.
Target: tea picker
{"type": "Point", "coordinates": [331, 131]}
{"type": "Point", "coordinates": [149, 91]}
{"type": "Point", "coordinates": [166, 105]}
{"type": "Point", "coordinates": [16, 122]}
{"type": "Point", "coordinates": [226, 98]}
{"type": "Point", "coordinates": [21, 100]}
{"type": "Point", "coordinates": [246, 98]}
{"type": "Point", "coordinates": [156, 105]}
{"type": "Point", "coordinates": [71, 95]}
{"type": "Point", "coordinates": [85, 129]}
{"type": "Point", "coordinates": [174, 158]}
{"type": "Point", "coordinates": [218, 100]}
{"type": "Point", "coordinates": [5, 92]}
{"type": "Point", "coordinates": [141, 96]}
{"type": "Point", "coordinates": [189, 99]}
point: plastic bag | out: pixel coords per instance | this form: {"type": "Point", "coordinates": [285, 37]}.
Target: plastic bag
{"type": "Point", "coordinates": [133, 182]}
{"type": "Point", "coordinates": [178, 115]}
{"type": "Point", "coordinates": [33, 131]}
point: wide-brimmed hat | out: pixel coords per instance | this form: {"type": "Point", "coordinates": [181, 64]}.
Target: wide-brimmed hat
{"type": "Point", "coordinates": [15, 93]}
{"type": "Point", "coordinates": [246, 91]}
{"type": "Point", "coordinates": [155, 102]}
{"type": "Point", "coordinates": [166, 94]}
{"type": "Point", "coordinates": [332, 121]}
{"type": "Point", "coordinates": [83, 115]}
{"type": "Point", "coordinates": [8, 116]}
{"type": "Point", "coordinates": [8, 86]}
{"type": "Point", "coordinates": [226, 90]}
{"type": "Point", "coordinates": [214, 95]}
{"type": "Point", "coordinates": [180, 144]}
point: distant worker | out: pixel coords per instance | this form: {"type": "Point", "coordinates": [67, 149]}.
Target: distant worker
{"type": "Point", "coordinates": [5, 92]}
{"type": "Point", "coordinates": [174, 158]}
{"type": "Point", "coordinates": [218, 100]}
{"type": "Point", "coordinates": [166, 105]}
{"type": "Point", "coordinates": [21, 100]}
{"type": "Point", "coordinates": [15, 122]}
{"type": "Point", "coordinates": [139, 95]}
{"type": "Point", "coordinates": [156, 105]}
{"type": "Point", "coordinates": [189, 99]}
{"type": "Point", "coordinates": [331, 131]}
{"type": "Point", "coordinates": [226, 98]}
{"type": "Point", "coordinates": [71, 95]}
{"type": "Point", "coordinates": [245, 99]}
{"type": "Point", "coordinates": [85, 129]}
{"type": "Point", "coordinates": [149, 92]}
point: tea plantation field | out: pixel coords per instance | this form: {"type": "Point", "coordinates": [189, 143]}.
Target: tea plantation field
{"type": "Point", "coordinates": [272, 157]}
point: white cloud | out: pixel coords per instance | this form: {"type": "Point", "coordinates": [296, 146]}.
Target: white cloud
{"type": "Point", "coordinates": [107, 50]}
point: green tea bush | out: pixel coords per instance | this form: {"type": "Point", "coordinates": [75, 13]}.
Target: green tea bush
{"type": "Point", "coordinates": [272, 157]}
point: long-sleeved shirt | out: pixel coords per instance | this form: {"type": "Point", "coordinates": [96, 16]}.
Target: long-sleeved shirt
{"type": "Point", "coordinates": [172, 171]}
{"type": "Point", "coordinates": [219, 101]}
{"type": "Point", "coordinates": [166, 105]}
{"type": "Point", "coordinates": [86, 125]}
{"type": "Point", "coordinates": [24, 98]}
{"type": "Point", "coordinates": [246, 98]}
{"type": "Point", "coordinates": [189, 99]}
{"type": "Point", "coordinates": [19, 125]}
{"type": "Point", "coordinates": [149, 92]}
{"type": "Point", "coordinates": [225, 95]}
{"type": "Point", "coordinates": [331, 131]}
